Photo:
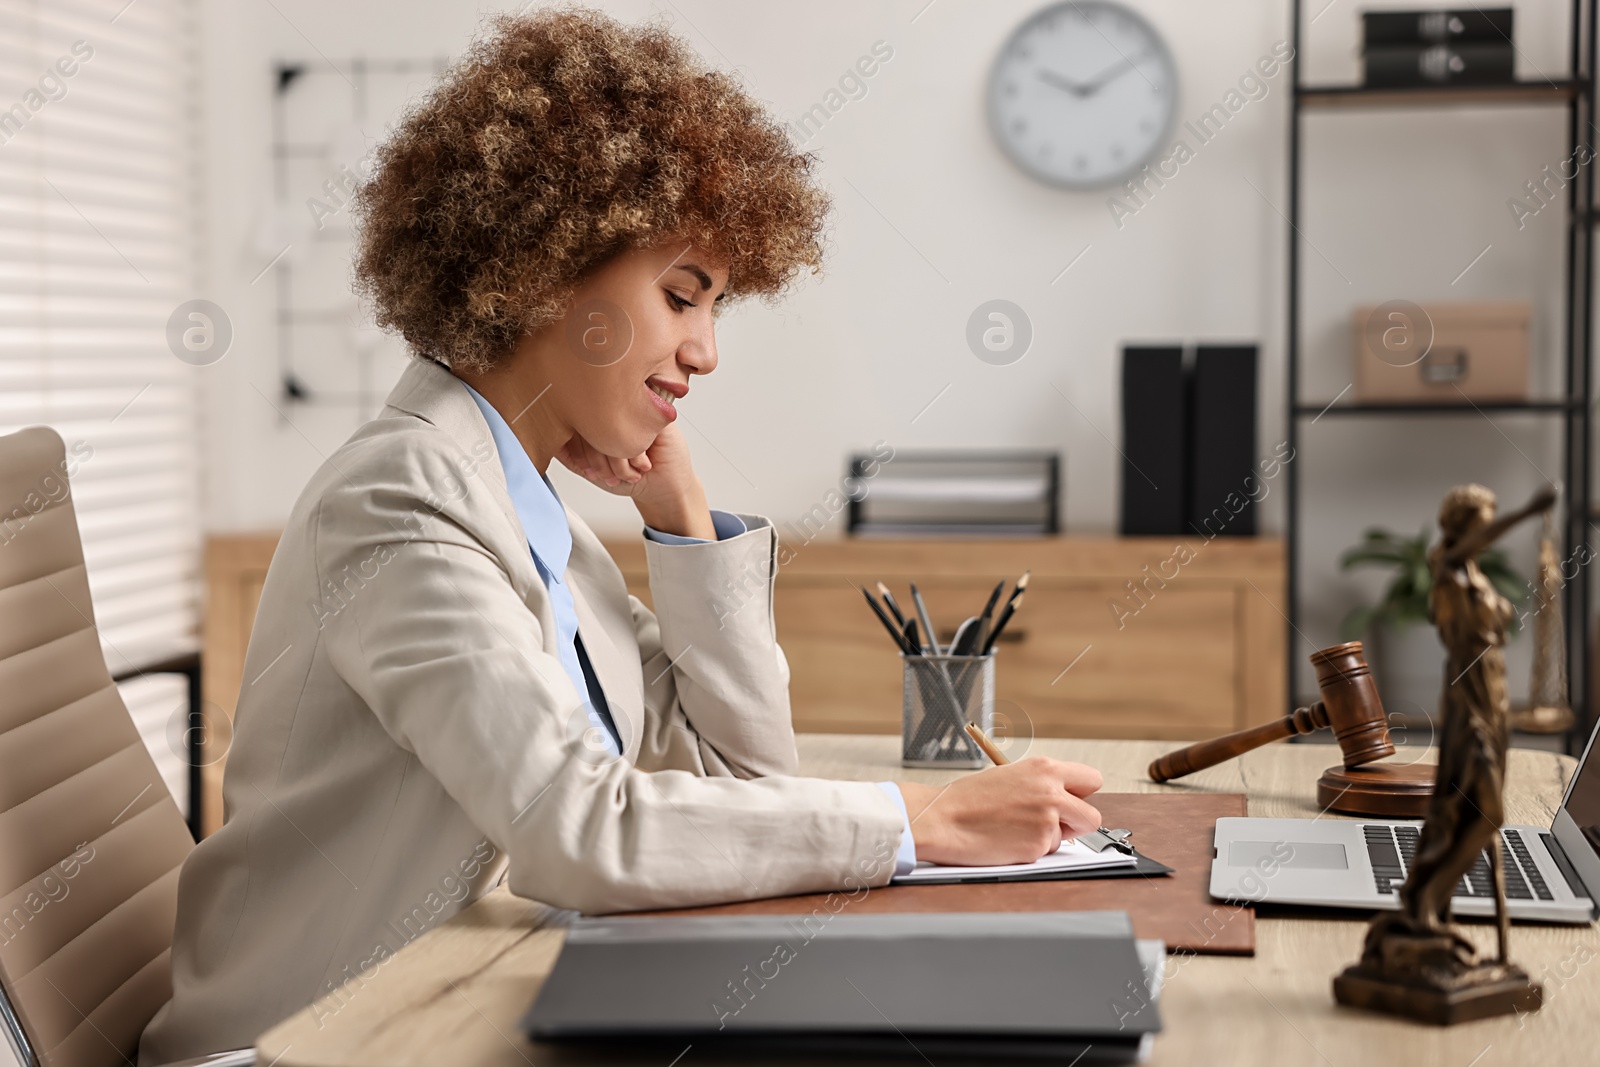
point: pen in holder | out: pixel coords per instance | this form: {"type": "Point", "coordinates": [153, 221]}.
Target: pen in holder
{"type": "Point", "coordinates": [942, 694]}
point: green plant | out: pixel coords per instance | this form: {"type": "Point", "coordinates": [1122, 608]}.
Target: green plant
{"type": "Point", "coordinates": [1406, 598]}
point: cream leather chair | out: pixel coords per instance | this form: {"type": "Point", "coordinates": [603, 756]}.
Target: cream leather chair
{"type": "Point", "coordinates": [90, 839]}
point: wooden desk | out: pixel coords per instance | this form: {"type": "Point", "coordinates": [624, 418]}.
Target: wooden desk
{"type": "Point", "coordinates": [454, 995]}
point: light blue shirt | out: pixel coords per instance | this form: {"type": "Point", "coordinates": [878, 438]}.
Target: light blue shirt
{"type": "Point", "coordinates": [905, 859]}
{"type": "Point", "coordinates": [544, 522]}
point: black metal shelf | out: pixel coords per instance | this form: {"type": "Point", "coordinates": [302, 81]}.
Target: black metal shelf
{"type": "Point", "coordinates": [1576, 93]}
{"type": "Point", "coordinates": [1520, 93]}
{"type": "Point", "coordinates": [1509, 407]}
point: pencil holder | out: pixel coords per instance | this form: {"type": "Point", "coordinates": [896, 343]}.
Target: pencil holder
{"type": "Point", "coordinates": [942, 694]}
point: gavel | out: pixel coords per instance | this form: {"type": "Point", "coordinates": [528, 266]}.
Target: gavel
{"type": "Point", "coordinates": [1351, 706]}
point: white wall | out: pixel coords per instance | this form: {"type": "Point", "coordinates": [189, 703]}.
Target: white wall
{"type": "Point", "coordinates": [1398, 204]}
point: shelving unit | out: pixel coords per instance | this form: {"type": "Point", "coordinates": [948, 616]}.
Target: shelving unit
{"type": "Point", "coordinates": [1576, 93]}
{"type": "Point", "coordinates": [1357, 96]}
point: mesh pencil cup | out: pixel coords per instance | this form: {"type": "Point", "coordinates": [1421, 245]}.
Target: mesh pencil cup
{"type": "Point", "coordinates": [941, 695]}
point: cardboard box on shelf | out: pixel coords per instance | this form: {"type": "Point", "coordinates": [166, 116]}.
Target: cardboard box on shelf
{"type": "Point", "coordinates": [1442, 353]}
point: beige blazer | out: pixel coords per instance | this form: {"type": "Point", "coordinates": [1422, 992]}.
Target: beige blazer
{"type": "Point", "coordinates": [406, 735]}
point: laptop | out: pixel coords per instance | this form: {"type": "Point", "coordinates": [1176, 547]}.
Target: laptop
{"type": "Point", "coordinates": [1057, 985]}
{"type": "Point", "coordinates": [1344, 863]}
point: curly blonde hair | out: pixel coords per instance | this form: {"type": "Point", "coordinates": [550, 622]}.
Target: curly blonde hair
{"type": "Point", "coordinates": [561, 139]}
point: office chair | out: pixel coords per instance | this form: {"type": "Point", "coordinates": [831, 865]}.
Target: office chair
{"type": "Point", "coordinates": [90, 839]}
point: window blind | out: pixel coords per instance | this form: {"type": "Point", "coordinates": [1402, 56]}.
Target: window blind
{"type": "Point", "coordinates": [97, 249]}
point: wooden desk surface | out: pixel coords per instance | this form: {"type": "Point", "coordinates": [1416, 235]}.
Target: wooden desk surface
{"type": "Point", "coordinates": [454, 995]}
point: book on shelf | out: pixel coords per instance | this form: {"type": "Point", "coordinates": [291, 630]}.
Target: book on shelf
{"type": "Point", "coordinates": [1436, 26]}
{"type": "Point", "coordinates": [1457, 63]}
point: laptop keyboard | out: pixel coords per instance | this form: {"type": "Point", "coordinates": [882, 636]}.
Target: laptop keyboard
{"type": "Point", "coordinates": [1392, 848]}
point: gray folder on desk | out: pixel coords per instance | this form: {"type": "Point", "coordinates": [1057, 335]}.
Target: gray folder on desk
{"type": "Point", "coordinates": [1029, 985]}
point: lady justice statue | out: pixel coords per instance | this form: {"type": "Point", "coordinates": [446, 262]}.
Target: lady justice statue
{"type": "Point", "coordinates": [1413, 962]}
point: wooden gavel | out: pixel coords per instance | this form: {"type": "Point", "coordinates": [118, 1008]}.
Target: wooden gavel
{"type": "Point", "coordinates": [1349, 704]}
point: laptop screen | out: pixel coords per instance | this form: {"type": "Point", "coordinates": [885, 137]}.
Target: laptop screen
{"type": "Point", "coordinates": [1583, 799]}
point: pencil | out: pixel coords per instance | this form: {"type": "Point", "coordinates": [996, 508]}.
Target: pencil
{"type": "Point", "coordinates": [1000, 624]}
{"type": "Point", "coordinates": [887, 625]}
{"type": "Point", "coordinates": [975, 732]}
{"type": "Point", "coordinates": [894, 609]}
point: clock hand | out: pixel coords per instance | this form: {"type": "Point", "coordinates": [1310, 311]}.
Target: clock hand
{"type": "Point", "coordinates": [1050, 77]}
{"type": "Point", "coordinates": [1109, 75]}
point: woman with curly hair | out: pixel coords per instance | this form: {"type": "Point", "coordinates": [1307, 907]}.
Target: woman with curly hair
{"type": "Point", "coordinates": [449, 685]}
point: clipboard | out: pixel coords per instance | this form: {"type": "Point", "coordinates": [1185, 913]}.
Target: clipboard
{"type": "Point", "coordinates": [1179, 825]}
{"type": "Point", "coordinates": [1142, 867]}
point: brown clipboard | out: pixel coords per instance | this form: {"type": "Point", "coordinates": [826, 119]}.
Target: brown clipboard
{"type": "Point", "coordinates": [1176, 829]}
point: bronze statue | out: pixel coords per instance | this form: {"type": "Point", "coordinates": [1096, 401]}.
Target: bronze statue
{"type": "Point", "coordinates": [1413, 963]}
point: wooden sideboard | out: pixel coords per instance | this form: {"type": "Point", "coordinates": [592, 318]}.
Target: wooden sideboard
{"type": "Point", "coordinates": [1171, 638]}
{"type": "Point", "coordinates": [236, 566]}
{"type": "Point", "coordinates": [1117, 637]}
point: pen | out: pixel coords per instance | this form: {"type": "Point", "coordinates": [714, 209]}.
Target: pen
{"type": "Point", "coordinates": [966, 636]}
{"type": "Point", "coordinates": [975, 732]}
{"type": "Point", "coordinates": [913, 644]}
{"type": "Point", "coordinates": [988, 613]}
{"type": "Point", "coordinates": [887, 625]}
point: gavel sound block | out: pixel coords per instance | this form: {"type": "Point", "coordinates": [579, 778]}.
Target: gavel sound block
{"type": "Point", "coordinates": [1350, 705]}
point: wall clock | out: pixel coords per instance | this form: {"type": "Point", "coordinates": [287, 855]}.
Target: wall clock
{"type": "Point", "coordinates": [1083, 94]}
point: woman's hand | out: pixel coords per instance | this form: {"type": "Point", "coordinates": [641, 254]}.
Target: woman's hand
{"type": "Point", "coordinates": [1011, 814]}
{"type": "Point", "coordinates": [661, 482]}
